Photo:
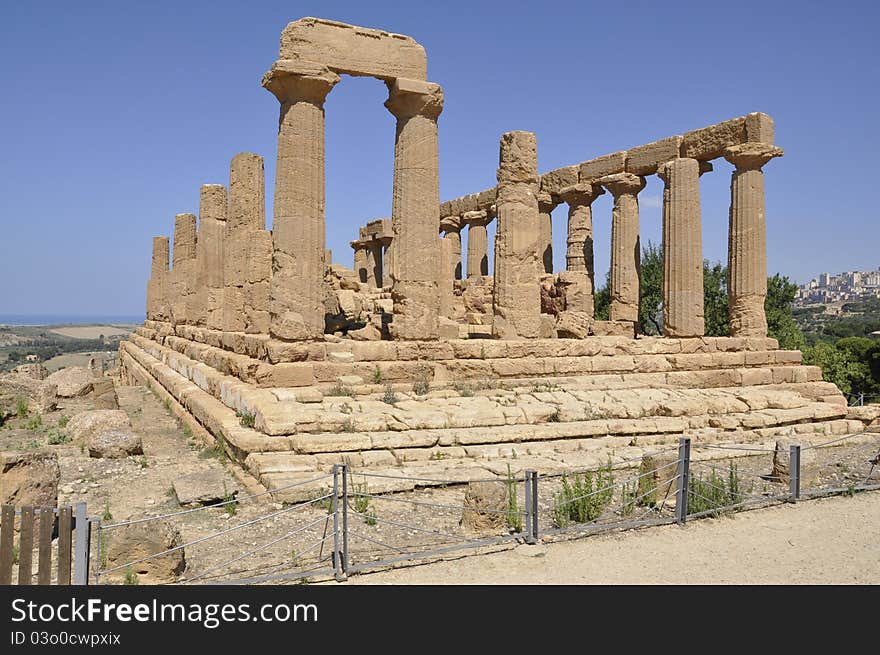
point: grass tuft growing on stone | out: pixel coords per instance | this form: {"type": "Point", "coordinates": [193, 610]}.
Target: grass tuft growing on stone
{"type": "Point", "coordinates": [246, 419]}
{"type": "Point", "coordinates": [389, 396]}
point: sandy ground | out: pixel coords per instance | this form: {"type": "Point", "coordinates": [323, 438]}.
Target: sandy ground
{"type": "Point", "coordinates": [75, 359]}
{"type": "Point", "coordinates": [90, 331]}
{"type": "Point", "coordinates": [823, 541]}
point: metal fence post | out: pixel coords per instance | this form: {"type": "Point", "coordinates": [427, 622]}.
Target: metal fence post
{"type": "Point", "coordinates": [531, 507]}
{"type": "Point", "coordinates": [334, 502]}
{"type": "Point", "coordinates": [794, 471]}
{"type": "Point", "coordinates": [684, 469]}
{"type": "Point", "coordinates": [344, 564]}
{"type": "Point", "coordinates": [83, 545]}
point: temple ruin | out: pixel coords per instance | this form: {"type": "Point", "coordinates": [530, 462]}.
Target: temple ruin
{"type": "Point", "coordinates": [416, 358]}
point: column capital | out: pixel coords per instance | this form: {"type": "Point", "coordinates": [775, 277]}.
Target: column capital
{"type": "Point", "coordinates": [451, 224]}
{"type": "Point", "coordinates": [622, 184]}
{"type": "Point", "coordinates": [408, 98]}
{"type": "Point", "coordinates": [293, 81]}
{"type": "Point", "coordinates": [358, 245]}
{"type": "Point", "coordinates": [480, 217]}
{"type": "Point", "coordinates": [664, 170]}
{"type": "Point", "coordinates": [582, 193]}
{"type": "Point", "coordinates": [545, 203]}
{"type": "Point", "coordinates": [751, 156]}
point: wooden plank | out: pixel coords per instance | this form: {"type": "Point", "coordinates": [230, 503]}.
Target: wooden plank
{"type": "Point", "coordinates": [7, 532]}
{"type": "Point", "coordinates": [65, 541]}
{"type": "Point", "coordinates": [26, 546]}
{"type": "Point", "coordinates": [47, 522]}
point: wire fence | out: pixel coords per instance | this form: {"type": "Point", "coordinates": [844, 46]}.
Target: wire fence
{"type": "Point", "coordinates": [352, 525]}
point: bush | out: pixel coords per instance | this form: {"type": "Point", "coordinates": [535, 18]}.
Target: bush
{"type": "Point", "coordinates": [585, 498]}
{"type": "Point", "coordinates": [389, 396]}
{"type": "Point", "coordinates": [340, 389]}
{"type": "Point", "coordinates": [377, 375]}
{"type": "Point", "coordinates": [361, 501]}
{"type": "Point", "coordinates": [714, 493]}
{"type": "Point", "coordinates": [421, 386]}
{"type": "Point", "coordinates": [57, 438]}
{"type": "Point", "coordinates": [21, 407]}
{"type": "Point", "coordinates": [131, 578]}
{"type": "Point", "coordinates": [247, 419]}
{"type": "Point", "coordinates": [514, 514]}
{"type": "Point", "coordinates": [63, 421]}
{"type": "Point", "coordinates": [35, 423]}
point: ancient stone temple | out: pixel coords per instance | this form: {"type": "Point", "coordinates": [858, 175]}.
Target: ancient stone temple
{"type": "Point", "coordinates": [425, 358]}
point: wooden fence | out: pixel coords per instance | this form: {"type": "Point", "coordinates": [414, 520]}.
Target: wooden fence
{"type": "Point", "coordinates": [38, 527]}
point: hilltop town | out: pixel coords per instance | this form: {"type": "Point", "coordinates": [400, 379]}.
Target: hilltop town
{"type": "Point", "coordinates": [828, 288]}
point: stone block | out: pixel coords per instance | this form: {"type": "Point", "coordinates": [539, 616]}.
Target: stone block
{"type": "Point", "coordinates": [645, 159]}
{"type": "Point", "coordinates": [593, 169]}
{"type": "Point", "coordinates": [709, 142]}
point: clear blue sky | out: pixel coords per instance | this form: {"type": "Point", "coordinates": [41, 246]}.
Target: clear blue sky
{"type": "Point", "coordinates": [112, 114]}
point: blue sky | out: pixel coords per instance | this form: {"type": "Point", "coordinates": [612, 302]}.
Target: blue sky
{"type": "Point", "coordinates": [112, 114]}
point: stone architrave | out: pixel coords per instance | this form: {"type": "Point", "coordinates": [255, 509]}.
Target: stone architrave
{"type": "Point", "coordinates": [157, 299]}
{"type": "Point", "coordinates": [183, 267]}
{"type": "Point", "coordinates": [296, 303]}
{"type": "Point", "coordinates": [245, 235]}
{"type": "Point", "coordinates": [625, 248]}
{"type": "Point", "coordinates": [518, 264]}
{"type": "Point", "coordinates": [208, 298]}
{"type": "Point", "coordinates": [682, 249]}
{"type": "Point", "coordinates": [579, 273]}
{"type": "Point", "coordinates": [415, 208]}
{"type": "Point", "coordinates": [477, 243]}
{"type": "Point", "coordinates": [545, 227]}
{"type": "Point", "coordinates": [747, 241]}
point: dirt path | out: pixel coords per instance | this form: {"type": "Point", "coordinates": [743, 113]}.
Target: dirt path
{"type": "Point", "coordinates": [825, 541]}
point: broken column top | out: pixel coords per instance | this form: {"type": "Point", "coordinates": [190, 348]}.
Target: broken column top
{"type": "Point", "coordinates": [353, 50]}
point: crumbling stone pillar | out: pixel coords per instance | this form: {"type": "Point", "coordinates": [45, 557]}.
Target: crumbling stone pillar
{"type": "Point", "coordinates": [360, 261]}
{"type": "Point", "coordinates": [374, 263]}
{"type": "Point", "coordinates": [387, 262]}
{"type": "Point", "coordinates": [478, 243]}
{"type": "Point", "coordinates": [415, 208]}
{"type": "Point", "coordinates": [245, 235]}
{"type": "Point", "coordinates": [296, 303]}
{"type": "Point", "coordinates": [157, 300]}
{"type": "Point", "coordinates": [183, 266]}
{"type": "Point", "coordinates": [451, 228]}
{"type": "Point", "coordinates": [208, 298]}
{"type": "Point", "coordinates": [682, 249]}
{"type": "Point", "coordinates": [625, 248]}
{"type": "Point", "coordinates": [518, 263]}
{"type": "Point", "coordinates": [446, 281]}
{"type": "Point", "coordinates": [579, 269]}
{"type": "Point", "coordinates": [545, 230]}
{"type": "Point", "coordinates": [747, 240]}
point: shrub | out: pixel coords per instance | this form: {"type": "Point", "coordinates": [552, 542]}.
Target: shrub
{"type": "Point", "coordinates": [514, 515]}
{"type": "Point", "coordinates": [63, 421]}
{"type": "Point", "coordinates": [131, 578]}
{"type": "Point", "coordinates": [35, 423]}
{"type": "Point", "coordinates": [714, 493]}
{"type": "Point", "coordinates": [57, 438]}
{"type": "Point", "coordinates": [464, 389]}
{"type": "Point", "coordinates": [340, 389]}
{"type": "Point", "coordinates": [389, 396]}
{"type": "Point", "coordinates": [247, 419]}
{"type": "Point", "coordinates": [585, 498]}
{"type": "Point", "coordinates": [361, 501]}
{"type": "Point", "coordinates": [21, 407]}
{"type": "Point", "coordinates": [421, 386]}
{"type": "Point", "coordinates": [377, 375]}
{"type": "Point", "coordinates": [231, 506]}
{"type": "Point", "coordinates": [107, 515]}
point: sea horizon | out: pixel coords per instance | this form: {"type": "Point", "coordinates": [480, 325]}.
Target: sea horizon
{"type": "Point", "coordinates": [70, 319]}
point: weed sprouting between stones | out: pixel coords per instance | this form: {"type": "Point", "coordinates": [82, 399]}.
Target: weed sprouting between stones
{"type": "Point", "coordinates": [584, 498]}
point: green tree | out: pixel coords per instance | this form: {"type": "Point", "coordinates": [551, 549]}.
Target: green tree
{"type": "Point", "coordinates": [781, 326]}
{"type": "Point", "coordinates": [650, 321]}
{"type": "Point", "coordinates": [715, 305]}
{"type": "Point", "coordinates": [836, 364]}
{"type": "Point", "coordinates": [602, 301]}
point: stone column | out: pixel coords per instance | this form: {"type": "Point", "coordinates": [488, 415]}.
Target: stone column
{"type": "Point", "coordinates": [208, 298]}
{"type": "Point", "coordinates": [451, 228]}
{"type": "Point", "coordinates": [297, 289]}
{"type": "Point", "coordinates": [387, 262]}
{"type": "Point", "coordinates": [545, 230]}
{"type": "Point", "coordinates": [156, 293]}
{"type": "Point", "coordinates": [682, 249]}
{"type": "Point", "coordinates": [415, 208]}
{"type": "Point", "coordinates": [625, 248]}
{"type": "Point", "coordinates": [478, 244]}
{"type": "Point", "coordinates": [579, 269]}
{"type": "Point", "coordinates": [518, 264]}
{"type": "Point", "coordinates": [446, 281]}
{"type": "Point", "coordinates": [244, 234]}
{"type": "Point", "coordinates": [374, 263]}
{"type": "Point", "coordinates": [360, 261]}
{"type": "Point", "coordinates": [183, 259]}
{"type": "Point", "coordinates": [747, 241]}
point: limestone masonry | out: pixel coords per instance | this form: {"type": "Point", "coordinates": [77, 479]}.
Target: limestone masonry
{"type": "Point", "coordinates": [417, 359]}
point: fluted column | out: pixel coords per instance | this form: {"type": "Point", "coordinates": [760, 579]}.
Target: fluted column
{"type": "Point", "coordinates": [157, 309]}
{"type": "Point", "coordinates": [477, 244]}
{"type": "Point", "coordinates": [415, 208]}
{"type": "Point", "coordinates": [297, 287]}
{"type": "Point", "coordinates": [451, 228]}
{"type": "Point", "coordinates": [579, 269]}
{"type": "Point", "coordinates": [518, 264]}
{"type": "Point", "coordinates": [545, 227]}
{"type": "Point", "coordinates": [387, 262]}
{"type": "Point", "coordinates": [246, 247]}
{"type": "Point", "coordinates": [682, 249]}
{"type": "Point", "coordinates": [625, 248]}
{"type": "Point", "coordinates": [208, 298]}
{"type": "Point", "coordinates": [183, 267]}
{"type": "Point", "coordinates": [374, 263]}
{"type": "Point", "coordinates": [747, 240]}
